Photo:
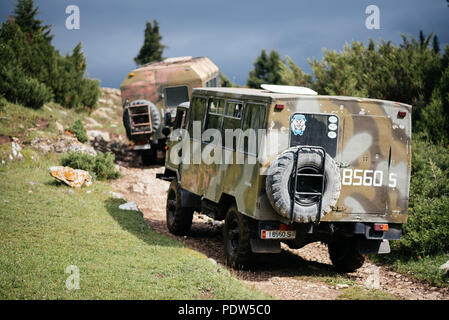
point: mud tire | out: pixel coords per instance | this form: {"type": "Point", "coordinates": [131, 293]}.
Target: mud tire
{"type": "Point", "coordinates": [236, 239]}
{"type": "Point", "coordinates": [179, 219]}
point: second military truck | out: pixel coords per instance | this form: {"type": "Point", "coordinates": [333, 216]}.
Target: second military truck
{"type": "Point", "coordinates": [150, 95]}
{"type": "Point", "coordinates": [287, 165]}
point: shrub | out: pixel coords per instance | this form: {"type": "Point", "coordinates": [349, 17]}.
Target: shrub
{"type": "Point", "coordinates": [100, 167]}
{"type": "Point", "coordinates": [79, 130]}
{"type": "Point", "coordinates": [427, 229]}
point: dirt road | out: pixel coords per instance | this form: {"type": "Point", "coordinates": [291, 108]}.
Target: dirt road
{"type": "Point", "coordinates": [305, 273]}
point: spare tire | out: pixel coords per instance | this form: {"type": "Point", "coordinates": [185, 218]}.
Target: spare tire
{"type": "Point", "coordinates": [278, 184]}
{"type": "Point", "coordinates": [154, 112]}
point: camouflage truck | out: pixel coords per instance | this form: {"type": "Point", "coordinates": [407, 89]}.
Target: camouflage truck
{"type": "Point", "coordinates": [150, 95]}
{"type": "Point", "coordinates": [291, 166]}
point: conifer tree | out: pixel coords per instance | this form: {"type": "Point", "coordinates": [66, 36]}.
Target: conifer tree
{"type": "Point", "coordinates": [152, 48]}
{"type": "Point", "coordinates": [25, 17]}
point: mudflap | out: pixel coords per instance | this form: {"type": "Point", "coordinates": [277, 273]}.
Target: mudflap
{"type": "Point", "coordinates": [374, 246]}
{"type": "Point", "coordinates": [265, 246]}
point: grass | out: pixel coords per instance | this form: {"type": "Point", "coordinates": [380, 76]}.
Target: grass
{"type": "Point", "coordinates": [422, 268]}
{"type": "Point", "coordinates": [353, 292]}
{"type": "Point", "coordinates": [44, 229]}
{"type": "Point", "coordinates": [362, 293]}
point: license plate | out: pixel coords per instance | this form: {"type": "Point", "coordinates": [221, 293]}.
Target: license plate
{"type": "Point", "coordinates": [278, 234]}
{"type": "Point", "coordinates": [142, 147]}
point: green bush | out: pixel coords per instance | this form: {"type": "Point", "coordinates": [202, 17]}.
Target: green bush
{"type": "Point", "coordinates": [427, 229]}
{"type": "Point", "coordinates": [100, 167]}
{"type": "Point", "coordinates": [79, 130]}
{"type": "Point", "coordinates": [33, 72]}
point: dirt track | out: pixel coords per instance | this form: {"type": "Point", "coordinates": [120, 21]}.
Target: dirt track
{"type": "Point", "coordinates": [294, 274]}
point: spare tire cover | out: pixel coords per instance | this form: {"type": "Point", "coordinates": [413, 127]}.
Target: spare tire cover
{"type": "Point", "coordinates": [154, 112]}
{"type": "Point", "coordinates": [277, 184]}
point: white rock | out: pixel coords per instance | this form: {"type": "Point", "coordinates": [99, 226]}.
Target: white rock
{"type": "Point", "coordinates": [341, 286]}
{"type": "Point", "coordinates": [59, 126]}
{"type": "Point", "coordinates": [92, 134]}
{"type": "Point", "coordinates": [373, 280]}
{"type": "Point", "coordinates": [129, 206]}
{"type": "Point", "coordinates": [138, 188]}
{"type": "Point", "coordinates": [445, 268]}
{"type": "Point", "coordinates": [116, 195]}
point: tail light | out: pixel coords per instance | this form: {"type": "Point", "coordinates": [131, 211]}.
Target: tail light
{"type": "Point", "coordinates": [402, 114]}
{"type": "Point", "coordinates": [279, 107]}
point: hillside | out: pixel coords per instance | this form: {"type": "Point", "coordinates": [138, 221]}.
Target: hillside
{"type": "Point", "coordinates": [48, 229]}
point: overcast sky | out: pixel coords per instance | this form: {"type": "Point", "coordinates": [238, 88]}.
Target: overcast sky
{"type": "Point", "coordinates": [231, 33]}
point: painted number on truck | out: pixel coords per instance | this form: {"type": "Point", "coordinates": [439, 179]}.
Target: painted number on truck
{"type": "Point", "coordinates": [367, 178]}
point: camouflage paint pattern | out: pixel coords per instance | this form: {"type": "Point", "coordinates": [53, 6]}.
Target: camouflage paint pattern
{"type": "Point", "coordinates": [371, 136]}
{"type": "Point", "coordinates": [149, 81]}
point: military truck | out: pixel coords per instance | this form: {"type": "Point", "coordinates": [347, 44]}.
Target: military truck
{"type": "Point", "coordinates": [291, 166]}
{"type": "Point", "coordinates": [150, 95]}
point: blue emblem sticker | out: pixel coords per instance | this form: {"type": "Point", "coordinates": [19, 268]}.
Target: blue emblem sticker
{"type": "Point", "coordinates": [298, 124]}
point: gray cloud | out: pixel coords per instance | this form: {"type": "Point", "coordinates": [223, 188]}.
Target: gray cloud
{"type": "Point", "coordinates": [230, 33]}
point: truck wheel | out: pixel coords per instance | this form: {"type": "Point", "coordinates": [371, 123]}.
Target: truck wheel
{"type": "Point", "coordinates": [179, 219]}
{"type": "Point", "coordinates": [345, 255]}
{"type": "Point", "coordinates": [236, 238]}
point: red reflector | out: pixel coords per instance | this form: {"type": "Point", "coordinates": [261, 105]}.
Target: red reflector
{"type": "Point", "coordinates": [380, 227]}
{"type": "Point", "coordinates": [402, 114]}
{"type": "Point", "coordinates": [264, 234]}
{"type": "Point", "coordinates": [279, 107]}
{"type": "Point", "coordinates": [287, 227]}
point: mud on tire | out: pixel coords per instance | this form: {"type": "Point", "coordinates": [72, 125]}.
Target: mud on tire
{"type": "Point", "coordinates": [179, 219]}
{"type": "Point", "coordinates": [236, 238]}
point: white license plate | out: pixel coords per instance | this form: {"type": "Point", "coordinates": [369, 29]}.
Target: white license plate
{"type": "Point", "coordinates": [278, 234]}
{"type": "Point", "coordinates": [142, 147]}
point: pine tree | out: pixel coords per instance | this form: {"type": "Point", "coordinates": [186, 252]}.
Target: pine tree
{"type": "Point", "coordinates": [25, 17]}
{"type": "Point", "coordinates": [152, 48]}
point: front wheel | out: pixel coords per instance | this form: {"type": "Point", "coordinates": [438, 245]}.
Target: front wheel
{"type": "Point", "coordinates": [179, 219]}
{"type": "Point", "coordinates": [236, 238]}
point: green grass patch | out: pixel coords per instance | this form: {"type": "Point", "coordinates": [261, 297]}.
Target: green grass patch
{"type": "Point", "coordinates": [362, 293]}
{"type": "Point", "coordinates": [46, 227]}
{"type": "Point", "coordinates": [424, 268]}
{"type": "Point", "coordinates": [26, 123]}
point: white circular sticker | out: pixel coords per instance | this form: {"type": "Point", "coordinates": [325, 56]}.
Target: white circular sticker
{"type": "Point", "coordinates": [332, 126]}
{"type": "Point", "coordinates": [332, 134]}
{"type": "Point", "coordinates": [333, 119]}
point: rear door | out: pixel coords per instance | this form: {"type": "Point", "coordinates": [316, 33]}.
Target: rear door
{"type": "Point", "coordinates": [365, 161]}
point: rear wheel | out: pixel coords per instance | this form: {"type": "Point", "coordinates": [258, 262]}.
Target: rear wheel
{"type": "Point", "coordinates": [345, 254]}
{"type": "Point", "coordinates": [179, 219]}
{"type": "Point", "coordinates": [236, 237]}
